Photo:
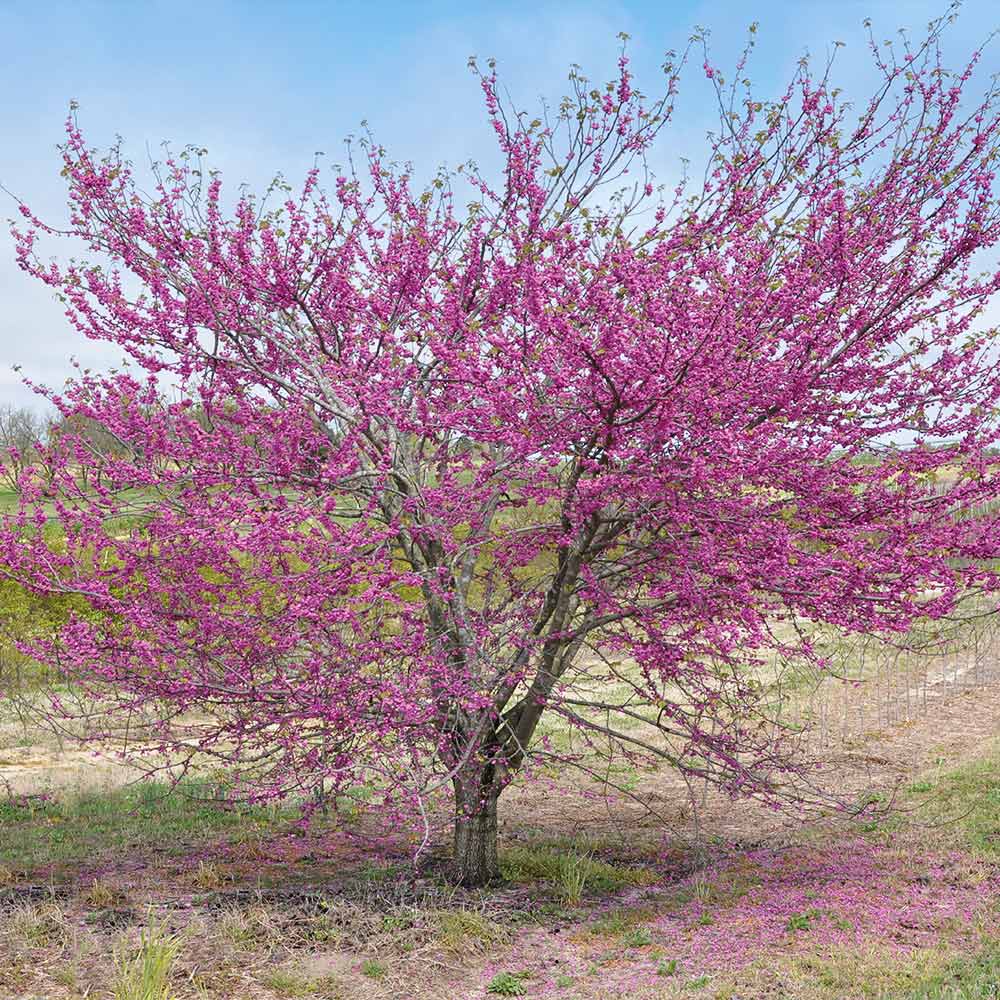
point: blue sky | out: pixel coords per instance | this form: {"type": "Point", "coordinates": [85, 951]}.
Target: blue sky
{"type": "Point", "coordinates": [265, 85]}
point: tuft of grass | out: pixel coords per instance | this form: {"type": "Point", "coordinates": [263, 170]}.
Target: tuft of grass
{"type": "Point", "coordinates": [102, 894]}
{"type": "Point", "coordinates": [573, 873]}
{"type": "Point", "coordinates": [66, 975]}
{"type": "Point", "coordinates": [146, 975]}
{"type": "Point", "coordinates": [208, 875]}
{"type": "Point", "coordinates": [288, 984]}
{"type": "Point", "coordinates": [570, 872]}
{"type": "Point", "coordinates": [373, 968]}
{"type": "Point", "coordinates": [248, 928]}
{"type": "Point", "coordinates": [464, 930]}
{"type": "Point", "coordinates": [38, 925]}
{"type": "Point", "coordinates": [507, 984]}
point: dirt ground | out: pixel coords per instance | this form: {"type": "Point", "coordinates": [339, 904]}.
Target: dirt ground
{"type": "Point", "coordinates": [956, 725]}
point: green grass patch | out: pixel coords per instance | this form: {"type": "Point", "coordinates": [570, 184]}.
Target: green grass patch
{"type": "Point", "coordinates": [8, 501]}
{"type": "Point", "coordinates": [148, 815]}
{"type": "Point", "coordinates": [975, 977]}
{"type": "Point", "coordinates": [965, 799]}
{"type": "Point", "coordinates": [622, 923]}
{"type": "Point", "coordinates": [462, 931]}
{"type": "Point", "coordinates": [872, 973]}
{"type": "Point", "coordinates": [569, 872]}
{"type": "Point", "coordinates": [146, 975]}
{"type": "Point", "coordinates": [507, 984]}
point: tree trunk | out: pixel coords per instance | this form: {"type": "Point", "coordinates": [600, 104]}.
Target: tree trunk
{"type": "Point", "coordinates": [475, 831]}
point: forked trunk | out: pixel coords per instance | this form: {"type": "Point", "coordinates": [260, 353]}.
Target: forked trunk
{"type": "Point", "coordinates": [475, 833]}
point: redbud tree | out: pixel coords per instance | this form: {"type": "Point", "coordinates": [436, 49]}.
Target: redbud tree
{"type": "Point", "coordinates": [396, 482]}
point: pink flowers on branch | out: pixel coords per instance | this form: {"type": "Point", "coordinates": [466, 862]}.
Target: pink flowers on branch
{"type": "Point", "coordinates": [397, 481]}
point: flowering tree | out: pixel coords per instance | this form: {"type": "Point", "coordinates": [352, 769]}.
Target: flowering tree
{"type": "Point", "coordinates": [396, 480]}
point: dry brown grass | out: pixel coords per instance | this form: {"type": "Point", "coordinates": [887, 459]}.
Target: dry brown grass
{"type": "Point", "coordinates": [103, 894]}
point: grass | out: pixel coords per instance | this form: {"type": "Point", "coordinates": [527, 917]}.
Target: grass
{"type": "Point", "coordinates": [569, 872]}
{"type": "Point", "coordinates": [622, 923]}
{"type": "Point", "coordinates": [462, 931]}
{"type": "Point", "coordinates": [146, 975]}
{"type": "Point", "coordinates": [373, 968]}
{"type": "Point", "coordinates": [148, 815]}
{"type": "Point", "coordinates": [102, 894]}
{"type": "Point", "coordinates": [966, 798]}
{"type": "Point", "coordinates": [802, 921]}
{"type": "Point", "coordinates": [287, 983]}
{"type": "Point", "coordinates": [246, 929]}
{"type": "Point", "coordinates": [8, 501]}
{"type": "Point", "coordinates": [872, 973]}
{"type": "Point", "coordinates": [971, 978]}
{"type": "Point", "coordinates": [38, 925]}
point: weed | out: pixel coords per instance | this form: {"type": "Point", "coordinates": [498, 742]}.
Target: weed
{"type": "Point", "coordinates": [802, 921]}
{"type": "Point", "coordinates": [667, 968]}
{"type": "Point", "coordinates": [507, 984]}
{"type": "Point", "coordinates": [394, 922]}
{"type": "Point", "coordinates": [638, 937]}
{"type": "Point", "coordinates": [373, 969]}
{"type": "Point", "coordinates": [324, 929]}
